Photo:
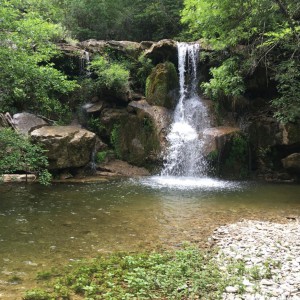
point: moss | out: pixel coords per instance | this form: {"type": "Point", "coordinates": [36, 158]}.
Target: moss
{"type": "Point", "coordinates": [160, 84]}
{"type": "Point", "coordinates": [138, 140]}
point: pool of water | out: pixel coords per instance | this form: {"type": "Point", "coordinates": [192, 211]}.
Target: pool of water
{"type": "Point", "coordinates": [45, 227]}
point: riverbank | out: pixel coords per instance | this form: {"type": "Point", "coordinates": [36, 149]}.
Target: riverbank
{"type": "Point", "coordinates": [248, 260]}
{"type": "Point", "coordinates": [265, 255]}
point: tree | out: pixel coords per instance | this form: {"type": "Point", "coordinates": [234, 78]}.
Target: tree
{"type": "Point", "coordinates": [123, 19]}
{"type": "Point", "coordinates": [256, 33]}
{"type": "Point", "coordinates": [28, 79]}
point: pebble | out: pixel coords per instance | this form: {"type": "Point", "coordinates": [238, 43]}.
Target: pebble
{"type": "Point", "coordinates": [272, 248]}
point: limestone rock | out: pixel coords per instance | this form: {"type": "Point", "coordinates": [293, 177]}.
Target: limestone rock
{"type": "Point", "coordinates": [292, 162]}
{"type": "Point", "coordinates": [19, 178]}
{"type": "Point", "coordinates": [93, 107]}
{"type": "Point", "coordinates": [122, 168]}
{"type": "Point", "coordinates": [160, 116]}
{"type": "Point", "coordinates": [26, 122]}
{"type": "Point", "coordinates": [162, 51]}
{"type": "Point", "coordinates": [127, 47]}
{"type": "Point", "coordinates": [67, 146]}
{"type": "Point", "coordinates": [161, 85]}
{"type": "Point", "coordinates": [217, 137]}
{"type": "Point", "coordinates": [290, 133]}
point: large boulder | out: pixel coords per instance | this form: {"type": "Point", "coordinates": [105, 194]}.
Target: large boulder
{"type": "Point", "coordinates": [161, 118]}
{"type": "Point", "coordinates": [290, 133]}
{"type": "Point", "coordinates": [216, 138]}
{"type": "Point", "coordinates": [161, 85]}
{"type": "Point", "coordinates": [66, 146]}
{"type": "Point", "coordinates": [292, 163]}
{"type": "Point", "coordinates": [26, 122]}
{"type": "Point", "coordinates": [162, 51]}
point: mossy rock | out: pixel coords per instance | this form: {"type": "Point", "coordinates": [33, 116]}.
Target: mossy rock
{"type": "Point", "coordinates": [161, 85]}
{"type": "Point", "coordinates": [135, 141]}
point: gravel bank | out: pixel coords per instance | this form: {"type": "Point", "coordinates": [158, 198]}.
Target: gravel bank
{"type": "Point", "coordinates": [264, 256]}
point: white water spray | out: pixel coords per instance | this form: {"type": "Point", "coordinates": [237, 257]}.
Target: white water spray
{"type": "Point", "coordinates": [184, 156]}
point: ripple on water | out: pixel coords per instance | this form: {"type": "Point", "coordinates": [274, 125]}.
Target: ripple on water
{"type": "Point", "coordinates": [188, 183]}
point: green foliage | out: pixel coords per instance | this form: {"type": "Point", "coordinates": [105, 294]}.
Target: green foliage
{"type": "Point", "coordinates": [184, 274]}
{"type": "Point", "coordinates": [143, 70]}
{"type": "Point", "coordinates": [101, 156]}
{"type": "Point", "coordinates": [28, 80]}
{"type": "Point", "coordinates": [226, 81]}
{"type": "Point", "coordinates": [288, 78]}
{"type": "Point", "coordinates": [111, 75]}
{"type": "Point", "coordinates": [18, 154]}
{"type": "Point", "coordinates": [37, 294]}
{"type": "Point", "coordinates": [122, 19]}
{"type": "Point", "coordinates": [94, 125]}
{"type": "Point", "coordinates": [263, 34]}
{"type": "Point", "coordinates": [238, 156]}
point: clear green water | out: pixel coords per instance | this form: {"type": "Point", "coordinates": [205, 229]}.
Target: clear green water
{"type": "Point", "coordinates": [45, 227]}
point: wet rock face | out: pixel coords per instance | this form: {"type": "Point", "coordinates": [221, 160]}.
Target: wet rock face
{"type": "Point", "coordinates": [161, 86]}
{"type": "Point", "coordinates": [26, 122]}
{"type": "Point", "coordinates": [161, 118]}
{"type": "Point", "coordinates": [216, 137]}
{"type": "Point", "coordinates": [66, 146]}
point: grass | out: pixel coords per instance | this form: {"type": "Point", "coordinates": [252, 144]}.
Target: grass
{"type": "Point", "coordinates": [188, 273]}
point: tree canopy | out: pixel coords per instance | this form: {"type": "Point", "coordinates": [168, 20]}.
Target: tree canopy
{"type": "Point", "coordinates": [28, 79]}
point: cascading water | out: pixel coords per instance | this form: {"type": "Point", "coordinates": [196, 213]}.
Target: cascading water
{"type": "Point", "coordinates": [184, 156]}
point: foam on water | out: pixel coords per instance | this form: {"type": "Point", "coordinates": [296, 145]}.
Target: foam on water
{"type": "Point", "coordinates": [187, 183]}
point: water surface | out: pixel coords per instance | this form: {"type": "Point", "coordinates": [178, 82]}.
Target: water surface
{"type": "Point", "coordinates": [45, 227]}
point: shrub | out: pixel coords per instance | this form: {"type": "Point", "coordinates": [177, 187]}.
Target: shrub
{"type": "Point", "coordinates": [17, 153]}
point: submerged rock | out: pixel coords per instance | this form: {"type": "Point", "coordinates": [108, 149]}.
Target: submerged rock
{"type": "Point", "coordinates": [66, 146]}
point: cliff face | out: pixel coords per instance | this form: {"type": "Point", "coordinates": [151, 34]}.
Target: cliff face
{"type": "Point", "coordinates": [135, 124]}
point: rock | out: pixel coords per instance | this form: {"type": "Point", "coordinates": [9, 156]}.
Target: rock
{"type": "Point", "coordinates": [93, 107]}
{"type": "Point", "coordinates": [133, 135]}
{"type": "Point", "coordinates": [162, 51]}
{"type": "Point", "coordinates": [18, 178]}
{"type": "Point", "coordinates": [122, 168]}
{"type": "Point", "coordinates": [67, 146]}
{"type": "Point", "coordinates": [26, 122]}
{"type": "Point", "coordinates": [216, 137]}
{"type": "Point", "coordinates": [130, 48]}
{"type": "Point", "coordinates": [161, 86]}
{"type": "Point", "coordinates": [266, 282]}
{"type": "Point", "coordinates": [231, 289]}
{"type": "Point", "coordinates": [290, 133]}
{"type": "Point", "coordinates": [292, 162]}
{"type": "Point", "coordinates": [160, 116]}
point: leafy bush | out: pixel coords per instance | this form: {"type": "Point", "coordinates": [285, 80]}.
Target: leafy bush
{"type": "Point", "coordinates": [101, 156]}
{"type": "Point", "coordinates": [288, 104]}
{"type": "Point", "coordinates": [17, 153]}
{"type": "Point", "coordinates": [110, 75]}
{"type": "Point", "coordinates": [28, 80]}
{"type": "Point", "coordinates": [227, 81]}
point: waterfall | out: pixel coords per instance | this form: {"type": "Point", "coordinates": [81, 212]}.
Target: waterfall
{"type": "Point", "coordinates": [184, 156]}
{"type": "Point", "coordinates": [84, 63]}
